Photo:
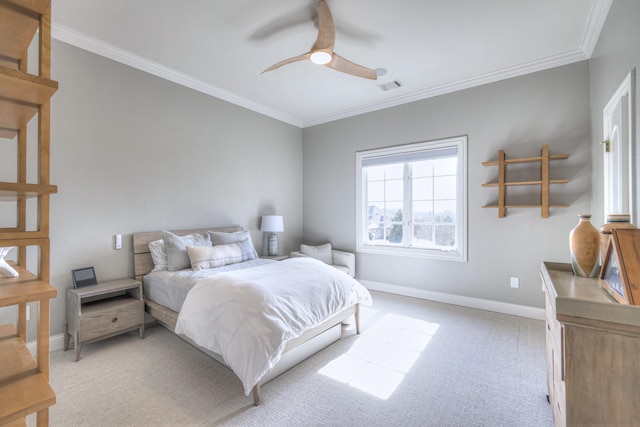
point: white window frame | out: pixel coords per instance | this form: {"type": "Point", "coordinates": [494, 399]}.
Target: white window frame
{"type": "Point", "coordinates": [460, 253]}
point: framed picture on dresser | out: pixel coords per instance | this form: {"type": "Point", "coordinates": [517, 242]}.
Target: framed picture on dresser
{"type": "Point", "coordinates": [620, 272]}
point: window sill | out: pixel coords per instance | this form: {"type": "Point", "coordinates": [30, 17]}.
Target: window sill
{"type": "Point", "coordinates": [457, 255]}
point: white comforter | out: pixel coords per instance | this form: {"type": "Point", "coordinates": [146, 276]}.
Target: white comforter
{"type": "Point", "coordinates": [248, 316]}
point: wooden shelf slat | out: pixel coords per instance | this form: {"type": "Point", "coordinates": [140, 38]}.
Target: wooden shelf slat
{"type": "Point", "coordinates": [24, 396]}
{"type": "Point", "coordinates": [24, 88]}
{"type": "Point", "coordinates": [19, 21]}
{"type": "Point", "coordinates": [526, 206]}
{"type": "Point", "coordinates": [516, 183]}
{"type": "Point", "coordinates": [526, 160]}
{"type": "Point", "coordinates": [36, 7]}
{"type": "Point", "coordinates": [14, 116]}
{"type": "Point", "coordinates": [15, 359]}
{"type": "Point", "coordinates": [18, 25]}
{"type": "Point", "coordinates": [24, 288]}
{"type": "Point", "coordinates": [21, 238]}
{"type": "Point", "coordinates": [23, 389]}
{"type": "Point", "coordinates": [23, 292]}
{"type": "Point", "coordinates": [12, 191]}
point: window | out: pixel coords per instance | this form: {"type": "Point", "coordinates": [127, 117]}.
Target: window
{"type": "Point", "coordinates": [412, 200]}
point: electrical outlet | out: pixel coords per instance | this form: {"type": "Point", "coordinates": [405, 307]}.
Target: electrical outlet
{"type": "Point", "coordinates": [515, 282]}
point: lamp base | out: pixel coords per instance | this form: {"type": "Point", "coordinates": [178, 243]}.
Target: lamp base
{"type": "Point", "coordinates": [273, 244]}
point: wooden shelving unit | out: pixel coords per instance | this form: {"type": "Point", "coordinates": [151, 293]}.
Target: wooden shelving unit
{"type": "Point", "coordinates": [544, 182]}
{"type": "Point", "coordinates": [24, 380]}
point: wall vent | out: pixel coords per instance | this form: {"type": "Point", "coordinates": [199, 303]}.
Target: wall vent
{"type": "Point", "coordinates": [390, 85]}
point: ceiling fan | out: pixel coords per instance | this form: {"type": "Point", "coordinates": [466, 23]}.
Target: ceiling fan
{"type": "Point", "coordinates": [322, 53]}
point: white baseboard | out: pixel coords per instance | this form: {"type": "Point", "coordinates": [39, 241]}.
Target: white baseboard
{"type": "Point", "coordinates": [482, 304]}
{"type": "Point", "coordinates": [56, 342]}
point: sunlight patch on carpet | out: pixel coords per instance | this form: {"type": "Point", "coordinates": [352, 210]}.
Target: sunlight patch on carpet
{"type": "Point", "coordinates": [382, 355]}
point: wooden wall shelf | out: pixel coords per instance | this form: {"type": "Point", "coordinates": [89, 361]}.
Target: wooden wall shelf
{"type": "Point", "coordinates": [14, 116]}
{"type": "Point", "coordinates": [12, 191]}
{"type": "Point", "coordinates": [544, 182]}
{"type": "Point", "coordinates": [24, 380]}
{"type": "Point", "coordinates": [19, 21]}
{"type": "Point", "coordinates": [23, 87]}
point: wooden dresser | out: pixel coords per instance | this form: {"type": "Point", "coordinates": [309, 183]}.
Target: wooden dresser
{"type": "Point", "coordinates": [593, 352]}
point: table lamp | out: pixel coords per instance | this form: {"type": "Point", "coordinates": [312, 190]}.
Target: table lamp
{"type": "Point", "coordinates": [272, 224]}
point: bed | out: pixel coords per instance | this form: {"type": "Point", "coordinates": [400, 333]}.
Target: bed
{"type": "Point", "coordinates": [251, 293]}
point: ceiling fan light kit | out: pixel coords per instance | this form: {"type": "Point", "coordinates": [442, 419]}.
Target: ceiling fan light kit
{"type": "Point", "coordinates": [322, 51]}
{"type": "Point", "coordinates": [320, 57]}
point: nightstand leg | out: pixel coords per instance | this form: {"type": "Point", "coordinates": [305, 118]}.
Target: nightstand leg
{"type": "Point", "coordinates": [77, 345]}
{"type": "Point", "coordinates": [67, 337]}
{"type": "Point", "coordinates": [142, 331]}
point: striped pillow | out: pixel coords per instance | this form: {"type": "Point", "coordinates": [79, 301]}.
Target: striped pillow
{"type": "Point", "coordinates": [202, 257]}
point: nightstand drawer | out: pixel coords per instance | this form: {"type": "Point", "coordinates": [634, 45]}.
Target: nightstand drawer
{"type": "Point", "coordinates": [107, 317]}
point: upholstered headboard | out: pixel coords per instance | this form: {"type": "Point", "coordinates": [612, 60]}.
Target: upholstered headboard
{"type": "Point", "coordinates": [142, 262]}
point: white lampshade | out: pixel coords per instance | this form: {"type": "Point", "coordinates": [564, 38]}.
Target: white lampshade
{"type": "Point", "coordinates": [272, 223]}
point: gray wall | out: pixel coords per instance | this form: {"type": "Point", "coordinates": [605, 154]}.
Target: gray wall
{"type": "Point", "coordinates": [616, 53]}
{"type": "Point", "coordinates": [519, 115]}
{"type": "Point", "coordinates": [132, 152]}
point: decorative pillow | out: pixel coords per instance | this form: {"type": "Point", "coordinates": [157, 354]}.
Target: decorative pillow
{"type": "Point", "coordinates": [176, 248]}
{"type": "Point", "coordinates": [202, 257]}
{"type": "Point", "coordinates": [222, 238]}
{"type": "Point", "coordinates": [322, 252]}
{"type": "Point", "coordinates": [158, 255]}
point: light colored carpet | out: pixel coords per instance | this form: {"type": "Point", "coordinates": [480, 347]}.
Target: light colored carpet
{"type": "Point", "coordinates": [416, 363]}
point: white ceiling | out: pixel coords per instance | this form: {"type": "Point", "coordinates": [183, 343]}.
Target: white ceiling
{"type": "Point", "coordinates": [220, 47]}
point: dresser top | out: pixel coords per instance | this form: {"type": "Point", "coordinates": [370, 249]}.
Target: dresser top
{"type": "Point", "coordinates": [584, 298]}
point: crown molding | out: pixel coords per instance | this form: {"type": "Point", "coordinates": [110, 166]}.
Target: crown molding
{"type": "Point", "coordinates": [597, 18]}
{"type": "Point", "coordinates": [82, 41]}
{"type": "Point", "coordinates": [506, 73]}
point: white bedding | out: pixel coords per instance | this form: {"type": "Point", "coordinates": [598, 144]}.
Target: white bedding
{"type": "Point", "coordinates": [248, 316]}
{"type": "Point", "coordinates": [170, 288]}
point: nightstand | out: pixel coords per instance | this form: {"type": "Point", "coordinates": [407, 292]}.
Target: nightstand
{"type": "Point", "coordinates": [102, 311]}
{"type": "Point", "coordinates": [275, 257]}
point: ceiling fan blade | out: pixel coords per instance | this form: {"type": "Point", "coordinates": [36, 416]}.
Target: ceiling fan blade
{"type": "Point", "coordinates": [339, 63]}
{"type": "Point", "coordinates": [326, 29]}
{"type": "Point", "coordinates": [299, 17]}
{"type": "Point", "coordinates": [288, 61]}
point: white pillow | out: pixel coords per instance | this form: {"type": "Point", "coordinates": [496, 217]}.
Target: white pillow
{"type": "Point", "coordinates": [322, 252]}
{"type": "Point", "coordinates": [202, 257]}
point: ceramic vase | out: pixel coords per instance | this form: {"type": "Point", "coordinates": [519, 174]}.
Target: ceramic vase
{"type": "Point", "coordinates": [584, 242]}
{"type": "Point", "coordinates": [613, 222]}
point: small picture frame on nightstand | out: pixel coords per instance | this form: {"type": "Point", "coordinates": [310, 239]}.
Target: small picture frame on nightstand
{"type": "Point", "coordinates": [84, 277]}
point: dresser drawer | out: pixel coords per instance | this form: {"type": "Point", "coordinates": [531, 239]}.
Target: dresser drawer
{"type": "Point", "coordinates": [103, 318]}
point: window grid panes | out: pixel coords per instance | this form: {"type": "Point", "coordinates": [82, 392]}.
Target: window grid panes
{"type": "Point", "coordinates": [413, 199]}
